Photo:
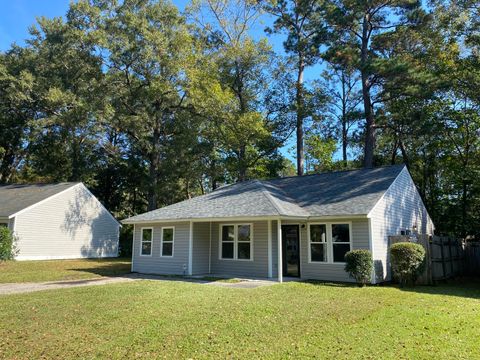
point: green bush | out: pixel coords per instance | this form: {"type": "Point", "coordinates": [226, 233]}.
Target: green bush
{"type": "Point", "coordinates": [359, 265]}
{"type": "Point", "coordinates": [407, 261]}
{"type": "Point", "coordinates": [7, 244]}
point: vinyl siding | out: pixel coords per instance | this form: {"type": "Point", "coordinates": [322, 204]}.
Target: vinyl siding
{"type": "Point", "coordinates": [201, 248]}
{"type": "Point", "coordinates": [258, 267]}
{"type": "Point", "coordinates": [400, 208]}
{"type": "Point", "coordinates": [156, 264]}
{"type": "Point", "coordinates": [334, 271]}
{"type": "Point", "coordinates": [72, 224]}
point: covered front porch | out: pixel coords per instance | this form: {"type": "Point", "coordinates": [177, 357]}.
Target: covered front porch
{"type": "Point", "coordinates": [250, 248]}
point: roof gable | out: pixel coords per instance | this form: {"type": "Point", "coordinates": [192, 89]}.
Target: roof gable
{"type": "Point", "coordinates": [17, 197]}
{"type": "Point", "coordinates": [353, 192]}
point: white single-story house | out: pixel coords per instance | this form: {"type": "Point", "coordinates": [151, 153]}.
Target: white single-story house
{"type": "Point", "coordinates": [58, 221]}
{"type": "Point", "coordinates": [298, 226]}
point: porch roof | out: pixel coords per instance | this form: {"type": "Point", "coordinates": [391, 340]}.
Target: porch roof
{"type": "Point", "coordinates": [340, 193]}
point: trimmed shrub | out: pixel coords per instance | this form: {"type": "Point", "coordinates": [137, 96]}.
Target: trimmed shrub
{"type": "Point", "coordinates": [407, 261]}
{"type": "Point", "coordinates": [7, 244]}
{"type": "Point", "coordinates": [359, 265]}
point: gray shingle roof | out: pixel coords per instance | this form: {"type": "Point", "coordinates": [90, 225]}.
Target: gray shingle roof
{"type": "Point", "coordinates": [353, 192]}
{"type": "Point", "coordinates": [14, 198]}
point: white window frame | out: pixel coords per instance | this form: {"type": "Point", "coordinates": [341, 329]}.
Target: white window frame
{"type": "Point", "coordinates": [310, 243]}
{"type": "Point", "coordinates": [235, 242]}
{"type": "Point", "coordinates": [329, 241]}
{"type": "Point", "coordinates": [141, 241]}
{"type": "Point", "coordinates": [172, 241]}
{"type": "Point", "coordinates": [350, 242]}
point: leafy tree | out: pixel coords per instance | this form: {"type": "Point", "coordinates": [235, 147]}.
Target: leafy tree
{"type": "Point", "coordinates": [359, 25]}
{"type": "Point", "coordinates": [234, 88]}
{"type": "Point", "coordinates": [146, 48]}
{"type": "Point", "coordinates": [16, 109]}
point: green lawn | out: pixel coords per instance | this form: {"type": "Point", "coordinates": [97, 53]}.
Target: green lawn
{"type": "Point", "coordinates": [55, 270]}
{"type": "Point", "coordinates": [174, 319]}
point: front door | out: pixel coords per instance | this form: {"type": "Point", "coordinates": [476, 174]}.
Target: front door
{"type": "Point", "coordinates": [291, 250]}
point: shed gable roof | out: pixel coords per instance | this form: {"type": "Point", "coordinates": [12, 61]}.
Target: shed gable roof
{"type": "Point", "coordinates": [16, 197]}
{"type": "Point", "coordinates": [353, 192]}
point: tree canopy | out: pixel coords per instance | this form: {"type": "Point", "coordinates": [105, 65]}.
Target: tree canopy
{"type": "Point", "coordinates": [149, 105]}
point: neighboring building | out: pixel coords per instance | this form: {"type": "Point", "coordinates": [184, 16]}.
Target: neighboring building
{"type": "Point", "coordinates": [294, 226]}
{"type": "Point", "coordinates": [58, 221]}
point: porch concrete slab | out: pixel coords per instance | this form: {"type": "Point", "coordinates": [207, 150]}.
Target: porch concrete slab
{"type": "Point", "coordinates": [206, 280]}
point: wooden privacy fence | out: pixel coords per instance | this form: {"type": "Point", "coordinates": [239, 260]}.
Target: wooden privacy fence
{"type": "Point", "coordinates": [445, 257]}
{"type": "Point", "coordinates": [472, 258]}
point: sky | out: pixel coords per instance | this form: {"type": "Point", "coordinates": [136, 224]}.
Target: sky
{"type": "Point", "coordinates": [18, 15]}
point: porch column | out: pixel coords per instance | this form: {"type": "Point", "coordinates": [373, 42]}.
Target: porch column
{"type": "Point", "coordinates": [190, 249]}
{"type": "Point", "coordinates": [280, 255]}
{"type": "Point", "coordinates": [270, 266]}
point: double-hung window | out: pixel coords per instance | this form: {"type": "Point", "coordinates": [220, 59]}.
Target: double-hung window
{"type": "Point", "coordinates": [318, 242]}
{"type": "Point", "coordinates": [236, 242]}
{"type": "Point", "coordinates": [168, 233]}
{"type": "Point", "coordinates": [146, 245]}
{"type": "Point", "coordinates": [329, 242]}
{"type": "Point", "coordinates": [340, 241]}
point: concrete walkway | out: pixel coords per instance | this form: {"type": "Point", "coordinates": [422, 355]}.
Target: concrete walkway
{"type": "Point", "coordinates": [19, 288]}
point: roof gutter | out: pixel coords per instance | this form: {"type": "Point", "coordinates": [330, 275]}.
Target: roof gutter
{"type": "Point", "coordinates": [246, 218]}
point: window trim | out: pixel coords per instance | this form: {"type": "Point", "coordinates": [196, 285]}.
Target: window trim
{"type": "Point", "coordinates": [141, 241]}
{"type": "Point", "coordinates": [310, 244]}
{"type": "Point", "coordinates": [168, 242]}
{"type": "Point", "coordinates": [235, 242]}
{"type": "Point", "coordinates": [329, 242]}
{"type": "Point", "coordinates": [350, 242]}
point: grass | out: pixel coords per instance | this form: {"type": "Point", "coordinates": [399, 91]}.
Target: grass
{"type": "Point", "coordinates": [56, 270]}
{"type": "Point", "coordinates": [175, 319]}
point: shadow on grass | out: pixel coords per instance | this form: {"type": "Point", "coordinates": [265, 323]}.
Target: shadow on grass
{"type": "Point", "coordinates": [461, 287]}
{"type": "Point", "coordinates": [331, 284]}
{"type": "Point", "coordinates": [118, 267]}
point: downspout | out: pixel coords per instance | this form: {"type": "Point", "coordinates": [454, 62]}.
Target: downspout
{"type": "Point", "coordinates": [210, 251]}
{"type": "Point", "coordinates": [190, 250]}
{"type": "Point", "coordinates": [270, 248]}
{"type": "Point", "coordinates": [280, 255]}
{"type": "Point", "coordinates": [370, 243]}
{"type": "Point", "coordinates": [133, 247]}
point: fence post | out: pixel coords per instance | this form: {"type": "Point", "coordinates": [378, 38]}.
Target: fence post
{"type": "Point", "coordinates": [443, 258]}
{"type": "Point", "coordinates": [451, 257]}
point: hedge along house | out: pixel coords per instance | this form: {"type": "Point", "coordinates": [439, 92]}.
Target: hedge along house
{"type": "Point", "coordinates": [294, 226]}
{"type": "Point", "coordinates": [58, 221]}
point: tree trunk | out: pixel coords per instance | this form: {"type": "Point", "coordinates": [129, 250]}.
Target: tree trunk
{"type": "Point", "coordinates": [367, 101]}
{"type": "Point", "coordinates": [242, 169]}
{"type": "Point", "coordinates": [300, 116]}
{"type": "Point", "coordinates": [344, 121]}
{"type": "Point", "coordinates": [154, 167]}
